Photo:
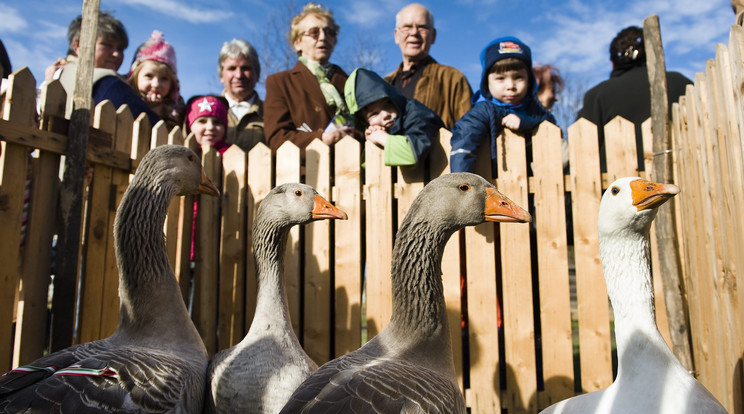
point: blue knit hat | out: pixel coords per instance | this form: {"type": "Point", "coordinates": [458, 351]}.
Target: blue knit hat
{"type": "Point", "coordinates": [502, 48]}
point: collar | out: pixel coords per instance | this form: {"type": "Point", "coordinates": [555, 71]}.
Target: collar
{"type": "Point", "coordinates": [246, 103]}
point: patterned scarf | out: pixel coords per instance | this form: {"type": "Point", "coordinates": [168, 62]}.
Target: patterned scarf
{"type": "Point", "coordinates": [332, 97]}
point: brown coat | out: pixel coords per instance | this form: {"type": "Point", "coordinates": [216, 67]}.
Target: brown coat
{"type": "Point", "coordinates": [293, 97]}
{"type": "Point", "coordinates": [443, 89]}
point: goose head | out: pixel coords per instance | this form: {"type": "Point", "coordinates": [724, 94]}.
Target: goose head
{"type": "Point", "coordinates": [296, 203]}
{"type": "Point", "coordinates": [177, 166]}
{"type": "Point", "coordinates": [630, 204]}
{"type": "Point", "coordinates": [464, 199]}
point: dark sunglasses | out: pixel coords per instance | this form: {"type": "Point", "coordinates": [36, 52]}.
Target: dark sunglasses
{"type": "Point", "coordinates": [314, 32]}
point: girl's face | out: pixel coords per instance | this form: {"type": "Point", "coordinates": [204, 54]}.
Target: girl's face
{"type": "Point", "coordinates": [208, 130]}
{"type": "Point", "coordinates": [154, 81]}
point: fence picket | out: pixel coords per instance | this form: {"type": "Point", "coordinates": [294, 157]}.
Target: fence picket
{"type": "Point", "coordinates": [552, 266]}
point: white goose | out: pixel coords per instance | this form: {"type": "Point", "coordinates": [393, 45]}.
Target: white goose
{"type": "Point", "coordinates": [409, 367]}
{"type": "Point", "coordinates": [650, 379]}
{"type": "Point", "coordinates": [259, 374]}
{"type": "Point", "coordinates": [155, 361]}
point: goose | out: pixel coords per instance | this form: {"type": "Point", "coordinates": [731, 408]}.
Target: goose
{"type": "Point", "coordinates": [650, 379]}
{"type": "Point", "coordinates": [259, 374]}
{"type": "Point", "coordinates": [408, 367]}
{"type": "Point", "coordinates": [155, 361]}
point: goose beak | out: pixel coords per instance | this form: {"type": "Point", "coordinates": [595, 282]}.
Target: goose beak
{"type": "Point", "coordinates": [647, 194]}
{"type": "Point", "coordinates": [325, 210]}
{"type": "Point", "coordinates": [500, 208]}
{"type": "Point", "coordinates": [206, 186]}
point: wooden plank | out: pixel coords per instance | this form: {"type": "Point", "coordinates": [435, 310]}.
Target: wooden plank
{"type": "Point", "coordinates": [621, 148]}
{"type": "Point", "coordinates": [185, 236]}
{"type": "Point", "coordinates": [378, 195]}
{"type": "Point", "coordinates": [71, 191]}
{"type": "Point", "coordinates": [318, 285]}
{"type": "Point", "coordinates": [206, 254]}
{"type": "Point", "coordinates": [96, 234]}
{"type": "Point", "coordinates": [159, 134]}
{"type": "Point", "coordinates": [231, 312]}
{"type": "Point", "coordinates": [660, 308]}
{"type": "Point", "coordinates": [519, 324]}
{"type": "Point", "coordinates": [482, 293]}
{"type": "Point", "coordinates": [552, 265]}
{"type": "Point", "coordinates": [348, 265]}
{"type": "Point", "coordinates": [170, 228]}
{"type": "Point", "coordinates": [19, 106]}
{"type": "Point", "coordinates": [723, 283]}
{"type": "Point", "coordinates": [288, 171]}
{"type": "Point", "coordinates": [30, 341]}
{"type": "Point", "coordinates": [452, 277]}
{"type": "Point", "coordinates": [122, 143]}
{"type": "Point", "coordinates": [691, 226]}
{"type": "Point", "coordinates": [29, 136]}
{"type": "Point", "coordinates": [731, 150]}
{"type": "Point", "coordinates": [591, 291]}
{"type": "Point", "coordinates": [259, 185]}
{"type": "Point", "coordinates": [709, 310]}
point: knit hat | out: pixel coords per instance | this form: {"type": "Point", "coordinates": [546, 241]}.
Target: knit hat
{"type": "Point", "coordinates": [157, 49]}
{"type": "Point", "coordinates": [502, 48]}
{"type": "Point", "coordinates": [206, 106]}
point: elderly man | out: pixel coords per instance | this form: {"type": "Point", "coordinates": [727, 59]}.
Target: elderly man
{"type": "Point", "coordinates": [444, 89]}
{"type": "Point", "coordinates": [239, 70]}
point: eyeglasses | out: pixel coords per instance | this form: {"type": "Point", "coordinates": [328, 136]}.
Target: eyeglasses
{"type": "Point", "coordinates": [314, 32]}
{"type": "Point", "coordinates": [411, 28]}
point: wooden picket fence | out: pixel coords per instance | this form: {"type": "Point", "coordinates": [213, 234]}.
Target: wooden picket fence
{"type": "Point", "coordinates": [337, 273]}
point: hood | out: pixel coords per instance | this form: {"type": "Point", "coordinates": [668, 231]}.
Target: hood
{"type": "Point", "coordinates": [501, 48]}
{"type": "Point", "coordinates": [364, 87]}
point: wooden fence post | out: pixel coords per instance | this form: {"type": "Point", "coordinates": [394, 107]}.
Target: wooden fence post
{"type": "Point", "coordinates": [71, 202]}
{"type": "Point", "coordinates": [666, 232]}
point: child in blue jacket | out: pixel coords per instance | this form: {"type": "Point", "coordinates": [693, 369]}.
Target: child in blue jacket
{"type": "Point", "coordinates": [405, 128]}
{"type": "Point", "coordinates": [507, 98]}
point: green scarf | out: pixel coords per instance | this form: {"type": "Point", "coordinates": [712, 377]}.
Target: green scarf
{"type": "Point", "coordinates": [332, 97]}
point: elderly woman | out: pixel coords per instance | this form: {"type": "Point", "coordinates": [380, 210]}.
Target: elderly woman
{"type": "Point", "coordinates": [306, 102]}
{"type": "Point", "coordinates": [239, 70]}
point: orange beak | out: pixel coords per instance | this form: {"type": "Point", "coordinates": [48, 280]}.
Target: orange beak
{"type": "Point", "coordinates": [325, 210]}
{"type": "Point", "coordinates": [206, 186]}
{"type": "Point", "coordinates": [647, 194]}
{"type": "Point", "coordinates": [499, 208]}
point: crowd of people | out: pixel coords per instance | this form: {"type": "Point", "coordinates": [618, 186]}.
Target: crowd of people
{"type": "Point", "coordinates": [400, 112]}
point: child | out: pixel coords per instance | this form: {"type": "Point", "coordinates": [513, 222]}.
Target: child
{"type": "Point", "coordinates": [507, 98]}
{"type": "Point", "coordinates": [153, 75]}
{"type": "Point", "coordinates": [404, 127]}
{"type": "Point", "coordinates": [206, 117]}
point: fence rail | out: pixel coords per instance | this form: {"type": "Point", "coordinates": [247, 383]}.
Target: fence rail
{"type": "Point", "coordinates": [555, 338]}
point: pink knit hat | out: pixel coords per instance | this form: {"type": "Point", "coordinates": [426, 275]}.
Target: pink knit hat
{"type": "Point", "coordinates": [157, 49]}
{"type": "Point", "coordinates": [206, 106]}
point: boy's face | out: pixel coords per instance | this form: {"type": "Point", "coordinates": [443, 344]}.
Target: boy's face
{"type": "Point", "coordinates": [509, 86]}
{"type": "Point", "coordinates": [381, 113]}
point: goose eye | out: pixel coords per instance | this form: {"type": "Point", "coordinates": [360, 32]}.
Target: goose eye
{"type": "Point", "coordinates": [615, 190]}
{"type": "Point", "coordinates": [464, 187]}
{"type": "Point", "coordinates": [298, 193]}
{"type": "Point", "coordinates": [192, 158]}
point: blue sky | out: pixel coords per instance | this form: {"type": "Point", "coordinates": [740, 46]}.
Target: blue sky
{"type": "Point", "coordinates": [574, 35]}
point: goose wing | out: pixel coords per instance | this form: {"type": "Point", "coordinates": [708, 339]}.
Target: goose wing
{"type": "Point", "coordinates": [95, 377]}
{"type": "Point", "coordinates": [359, 384]}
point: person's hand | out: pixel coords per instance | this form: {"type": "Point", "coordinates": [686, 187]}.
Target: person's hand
{"type": "Point", "coordinates": [511, 121]}
{"type": "Point", "coordinates": [376, 135]}
{"type": "Point", "coordinates": [332, 137]}
{"type": "Point", "coordinates": [53, 68]}
{"type": "Point", "coordinates": [153, 97]}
